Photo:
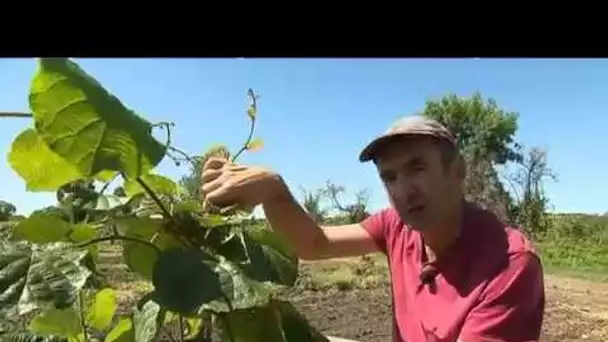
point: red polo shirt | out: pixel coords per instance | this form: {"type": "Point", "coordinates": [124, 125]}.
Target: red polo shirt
{"type": "Point", "coordinates": [489, 287]}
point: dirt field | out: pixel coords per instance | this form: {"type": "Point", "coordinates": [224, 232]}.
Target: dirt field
{"type": "Point", "coordinates": [351, 299]}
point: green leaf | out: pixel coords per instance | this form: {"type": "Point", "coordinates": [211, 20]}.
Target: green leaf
{"type": "Point", "coordinates": [59, 322]}
{"type": "Point", "coordinates": [240, 290]}
{"type": "Point", "coordinates": [89, 127]}
{"type": "Point", "coordinates": [140, 257]}
{"type": "Point", "coordinates": [83, 232]}
{"type": "Point", "coordinates": [255, 145]}
{"type": "Point", "coordinates": [190, 271]}
{"type": "Point", "coordinates": [271, 258]}
{"type": "Point", "coordinates": [295, 326]}
{"type": "Point", "coordinates": [39, 276]}
{"type": "Point", "coordinates": [277, 322]}
{"type": "Point", "coordinates": [122, 332]}
{"type": "Point", "coordinates": [41, 227]}
{"type": "Point", "coordinates": [260, 252]}
{"type": "Point", "coordinates": [110, 202]}
{"type": "Point", "coordinates": [161, 185]}
{"type": "Point", "coordinates": [106, 175]}
{"type": "Point", "coordinates": [252, 325]}
{"type": "Point", "coordinates": [193, 324]}
{"type": "Point", "coordinates": [146, 322]}
{"type": "Point", "coordinates": [205, 282]}
{"type": "Point", "coordinates": [100, 313]}
{"type": "Point", "coordinates": [41, 168]}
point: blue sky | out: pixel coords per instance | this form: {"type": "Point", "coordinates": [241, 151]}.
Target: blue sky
{"type": "Point", "coordinates": [315, 115]}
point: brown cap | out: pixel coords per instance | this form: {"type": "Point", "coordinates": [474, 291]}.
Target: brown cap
{"type": "Point", "coordinates": [409, 126]}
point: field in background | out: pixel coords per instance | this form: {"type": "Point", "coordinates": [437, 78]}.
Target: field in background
{"type": "Point", "coordinates": [351, 297]}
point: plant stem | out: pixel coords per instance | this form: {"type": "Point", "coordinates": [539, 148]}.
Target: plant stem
{"type": "Point", "coordinates": [180, 327]}
{"type": "Point", "coordinates": [168, 333]}
{"type": "Point", "coordinates": [184, 154]}
{"type": "Point", "coordinates": [15, 115]}
{"type": "Point", "coordinates": [246, 145]}
{"type": "Point", "coordinates": [105, 186]}
{"type": "Point", "coordinates": [82, 316]}
{"type": "Point", "coordinates": [118, 237]}
{"type": "Point", "coordinates": [154, 197]}
{"type": "Point", "coordinates": [166, 212]}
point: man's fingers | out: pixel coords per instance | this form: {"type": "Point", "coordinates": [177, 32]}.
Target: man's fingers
{"type": "Point", "coordinates": [210, 175]}
{"type": "Point", "coordinates": [215, 163]}
{"type": "Point", "coordinates": [221, 198]}
{"type": "Point", "coordinates": [209, 187]}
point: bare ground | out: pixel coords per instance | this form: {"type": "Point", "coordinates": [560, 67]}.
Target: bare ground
{"type": "Point", "coordinates": [351, 299]}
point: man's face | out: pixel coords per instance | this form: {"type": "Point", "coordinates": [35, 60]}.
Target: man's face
{"type": "Point", "coordinates": [420, 187]}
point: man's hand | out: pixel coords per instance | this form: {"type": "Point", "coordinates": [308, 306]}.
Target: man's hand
{"type": "Point", "coordinates": [225, 184]}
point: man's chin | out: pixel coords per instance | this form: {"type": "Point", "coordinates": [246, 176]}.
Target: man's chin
{"type": "Point", "coordinates": [415, 222]}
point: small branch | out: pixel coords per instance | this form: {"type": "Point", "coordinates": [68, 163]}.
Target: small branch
{"type": "Point", "coordinates": [118, 237]}
{"type": "Point", "coordinates": [15, 115]}
{"type": "Point", "coordinates": [105, 186]}
{"type": "Point", "coordinates": [246, 145]}
{"type": "Point", "coordinates": [166, 212]}
{"type": "Point", "coordinates": [167, 126]}
{"type": "Point", "coordinates": [82, 316]}
{"type": "Point", "coordinates": [168, 333]}
{"type": "Point", "coordinates": [154, 197]}
{"type": "Point", "coordinates": [180, 327]}
{"type": "Point", "coordinates": [183, 154]}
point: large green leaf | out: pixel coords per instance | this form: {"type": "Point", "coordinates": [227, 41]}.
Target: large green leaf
{"type": "Point", "coordinates": [277, 322]}
{"type": "Point", "coordinates": [270, 257]}
{"type": "Point", "coordinates": [42, 227]}
{"type": "Point", "coordinates": [191, 272]}
{"type": "Point", "coordinates": [261, 253]}
{"type": "Point", "coordinates": [82, 232]}
{"type": "Point", "coordinates": [160, 185]}
{"type": "Point", "coordinates": [39, 276]}
{"type": "Point", "coordinates": [251, 325]}
{"type": "Point", "coordinates": [85, 124]}
{"type": "Point", "coordinates": [57, 322]}
{"type": "Point", "coordinates": [295, 326]}
{"type": "Point", "coordinates": [41, 168]}
{"type": "Point", "coordinates": [122, 332]}
{"type": "Point", "coordinates": [140, 257]}
{"type": "Point", "coordinates": [101, 312]}
{"type": "Point", "coordinates": [206, 283]}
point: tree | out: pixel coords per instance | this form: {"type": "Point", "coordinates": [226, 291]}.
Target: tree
{"type": "Point", "coordinates": [353, 213]}
{"type": "Point", "coordinates": [312, 203]}
{"type": "Point", "coordinates": [527, 186]}
{"type": "Point", "coordinates": [7, 210]}
{"type": "Point", "coordinates": [485, 134]}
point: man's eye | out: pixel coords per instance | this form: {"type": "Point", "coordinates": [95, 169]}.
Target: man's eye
{"type": "Point", "coordinates": [388, 178]}
{"type": "Point", "coordinates": [417, 168]}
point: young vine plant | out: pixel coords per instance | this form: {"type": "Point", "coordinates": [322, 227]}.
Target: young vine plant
{"type": "Point", "coordinates": [206, 266]}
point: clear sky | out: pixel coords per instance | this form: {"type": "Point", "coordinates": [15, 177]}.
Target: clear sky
{"type": "Point", "coordinates": [315, 115]}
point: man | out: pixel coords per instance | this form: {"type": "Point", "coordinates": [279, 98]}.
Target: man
{"type": "Point", "coordinates": [457, 272]}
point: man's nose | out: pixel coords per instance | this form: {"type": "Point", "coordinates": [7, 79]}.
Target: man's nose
{"type": "Point", "coordinates": [405, 188]}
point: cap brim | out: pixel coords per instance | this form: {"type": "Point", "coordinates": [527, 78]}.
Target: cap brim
{"type": "Point", "coordinates": [370, 150]}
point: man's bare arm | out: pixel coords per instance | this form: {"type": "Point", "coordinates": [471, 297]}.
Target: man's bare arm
{"type": "Point", "coordinates": [311, 241]}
